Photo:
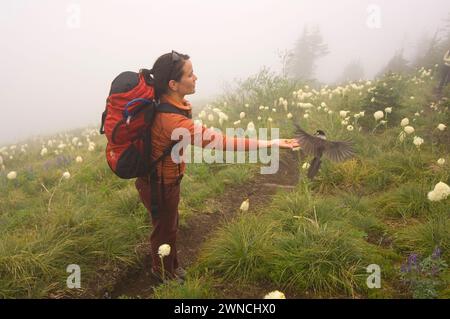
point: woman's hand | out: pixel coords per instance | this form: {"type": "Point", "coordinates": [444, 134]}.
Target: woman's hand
{"type": "Point", "coordinates": [286, 143]}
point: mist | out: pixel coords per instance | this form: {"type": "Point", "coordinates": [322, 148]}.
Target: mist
{"type": "Point", "coordinates": [59, 57]}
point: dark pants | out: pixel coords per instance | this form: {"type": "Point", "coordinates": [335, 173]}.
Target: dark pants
{"type": "Point", "coordinates": [165, 222]}
{"type": "Point", "coordinates": [445, 77]}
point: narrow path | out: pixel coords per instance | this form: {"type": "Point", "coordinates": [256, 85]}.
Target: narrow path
{"type": "Point", "coordinates": [139, 282]}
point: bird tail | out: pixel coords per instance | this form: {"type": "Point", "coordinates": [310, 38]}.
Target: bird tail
{"type": "Point", "coordinates": [314, 168]}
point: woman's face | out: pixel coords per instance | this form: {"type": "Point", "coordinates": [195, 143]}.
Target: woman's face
{"type": "Point", "coordinates": [186, 85]}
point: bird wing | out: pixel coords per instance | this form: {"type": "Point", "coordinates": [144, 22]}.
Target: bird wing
{"type": "Point", "coordinates": [338, 151]}
{"type": "Point", "coordinates": [309, 144]}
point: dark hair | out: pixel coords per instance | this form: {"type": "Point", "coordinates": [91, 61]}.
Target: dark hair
{"type": "Point", "coordinates": [164, 70]}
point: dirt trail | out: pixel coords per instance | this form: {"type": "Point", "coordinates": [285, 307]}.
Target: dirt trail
{"type": "Point", "coordinates": [139, 281]}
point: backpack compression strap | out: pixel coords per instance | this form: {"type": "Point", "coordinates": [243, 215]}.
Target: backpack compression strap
{"type": "Point", "coordinates": [162, 108]}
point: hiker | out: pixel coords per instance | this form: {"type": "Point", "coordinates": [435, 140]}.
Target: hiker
{"type": "Point", "coordinates": [445, 72]}
{"type": "Point", "coordinates": [174, 78]}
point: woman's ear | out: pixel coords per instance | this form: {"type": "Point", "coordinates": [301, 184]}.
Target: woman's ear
{"type": "Point", "coordinates": [173, 85]}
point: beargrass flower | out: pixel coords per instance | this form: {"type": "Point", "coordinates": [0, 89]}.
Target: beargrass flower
{"type": "Point", "coordinates": [409, 129]}
{"type": "Point", "coordinates": [441, 127]}
{"type": "Point", "coordinates": [441, 161]}
{"type": "Point", "coordinates": [12, 175]}
{"type": "Point", "coordinates": [164, 250]}
{"type": "Point", "coordinates": [418, 141]}
{"type": "Point", "coordinates": [245, 205]}
{"type": "Point", "coordinates": [275, 295]}
{"type": "Point", "coordinates": [378, 115]}
{"type": "Point", "coordinates": [66, 175]}
{"type": "Point", "coordinates": [441, 191]}
{"type": "Point", "coordinates": [241, 115]}
{"type": "Point", "coordinates": [404, 122]}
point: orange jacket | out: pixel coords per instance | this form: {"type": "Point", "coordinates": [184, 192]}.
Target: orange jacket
{"type": "Point", "coordinates": [165, 123]}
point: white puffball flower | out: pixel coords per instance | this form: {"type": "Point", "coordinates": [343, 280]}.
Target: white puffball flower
{"type": "Point", "coordinates": [441, 127]}
{"type": "Point", "coordinates": [12, 175]}
{"type": "Point", "coordinates": [91, 146]}
{"type": "Point", "coordinates": [343, 113]}
{"type": "Point", "coordinates": [401, 136]}
{"type": "Point", "coordinates": [164, 250]}
{"type": "Point", "coordinates": [350, 128]}
{"type": "Point", "coordinates": [246, 105]}
{"type": "Point", "coordinates": [418, 141]}
{"type": "Point", "coordinates": [289, 115]}
{"type": "Point", "coordinates": [210, 117]}
{"type": "Point", "coordinates": [79, 159]}
{"type": "Point", "coordinates": [404, 122]}
{"type": "Point", "coordinates": [250, 126]}
{"type": "Point", "coordinates": [1, 160]}
{"type": "Point", "coordinates": [270, 119]}
{"type": "Point", "coordinates": [306, 165]}
{"type": "Point", "coordinates": [306, 116]}
{"type": "Point", "coordinates": [388, 110]}
{"type": "Point", "coordinates": [275, 295]}
{"type": "Point", "coordinates": [44, 151]}
{"type": "Point", "coordinates": [409, 129]}
{"type": "Point", "coordinates": [330, 112]}
{"type": "Point", "coordinates": [441, 191]}
{"type": "Point", "coordinates": [345, 122]}
{"type": "Point", "coordinates": [259, 118]}
{"type": "Point", "coordinates": [378, 115]}
{"type": "Point", "coordinates": [412, 97]}
{"type": "Point", "coordinates": [241, 115]}
{"type": "Point", "coordinates": [441, 161]}
{"type": "Point", "coordinates": [66, 175]}
{"type": "Point", "coordinates": [245, 205]}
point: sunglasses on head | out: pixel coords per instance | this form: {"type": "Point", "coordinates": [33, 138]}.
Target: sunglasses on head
{"type": "Point", "coordinates": [175, 58]}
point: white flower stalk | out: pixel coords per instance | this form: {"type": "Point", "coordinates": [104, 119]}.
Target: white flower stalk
{"type": "Point", "coordinates": [163, 251]}
{"type": "Point", "coordinates": [306, 116]}
{"type": "Point", "coordinates": [289, 115]}
{"type": "Point", "coordinates": [66, 175]}
{"type": "Point", "coordinates": [275, 295]}
{"type": "Point", "coordinates": [378, 115]}
{"type": "Point", "coordinates": [441, 191]}
{"type": "Point", "coordinates": [409, 130]}
{"type": "Point", "coordinates": [79, 159]}
{"type": "Point", "coordinates": [388, 110]}
{"type": "Point", "coordinates": [441, 127]}
{"type": "Point", "coordinates": [44, 151]}
{"type": "Point", "coordinates": [210, 117]}
{"type": "Point", "coordinates": [350, 128]}
{"type": "Point", "coordinates": [401, 136]}
{"type": "Point", "coordinates": [11, 175]}
{"type": "Point", "coordinates": [241, 115]}
{"type": "Point", "coordinates": [441, 162]}
{"type": "Point", "coordinates": [404, 122]}
{"type": "Point", "coordinates": [1, 160]}
{"type": "Point", "coordinates": [306, 165]}
{"type": "Point", "coordinates": [270, 119]}
{"type": "Point", "coordinates": [245, 205]}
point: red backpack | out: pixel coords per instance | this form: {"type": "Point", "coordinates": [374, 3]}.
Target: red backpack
{"type": "Point", "coordinates": [126, 122]}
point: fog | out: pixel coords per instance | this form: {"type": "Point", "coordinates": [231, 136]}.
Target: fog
{"type": "Point", "coordinates": [59, 57]}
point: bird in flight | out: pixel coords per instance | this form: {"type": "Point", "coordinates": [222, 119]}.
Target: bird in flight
{"type": "Point", "coordinates": [318, 145]}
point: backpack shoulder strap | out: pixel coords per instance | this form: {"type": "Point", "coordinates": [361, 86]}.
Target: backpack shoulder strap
{"type": "Point", "coordinates": [169, 108]}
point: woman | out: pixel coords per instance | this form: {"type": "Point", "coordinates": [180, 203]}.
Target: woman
{"type": "Point", "coordinates": [174, 78]}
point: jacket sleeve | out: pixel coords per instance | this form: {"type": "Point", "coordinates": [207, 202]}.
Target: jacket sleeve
{"type": "Point", "coordinates": [206, 138]}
